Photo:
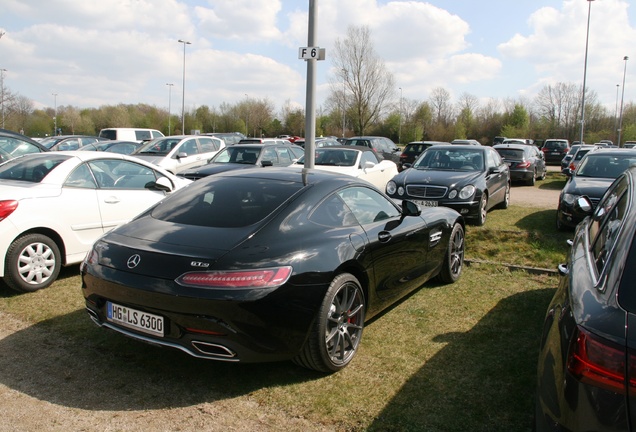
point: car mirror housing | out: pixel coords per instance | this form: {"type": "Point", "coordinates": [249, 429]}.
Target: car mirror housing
{"type": "Point", "coordinates": [267, 163]}
{"type": "Point", "coordinates": [409, 208]}
{"type": "Point", "coordinates": [162, 184]}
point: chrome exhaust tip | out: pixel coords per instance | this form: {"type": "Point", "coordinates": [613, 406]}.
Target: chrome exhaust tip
{"type": "Point", "coordinates": [214, 350]}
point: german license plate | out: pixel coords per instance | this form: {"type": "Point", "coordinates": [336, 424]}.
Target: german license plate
{"type": "Point", "coordinates": [135, 319]}
{"type": "Point", "coordinates": [426, 203]}
{"type": "Point", "coordinates": [555, 153]}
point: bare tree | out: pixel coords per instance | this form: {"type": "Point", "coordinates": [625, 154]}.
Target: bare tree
{"type": "Point", "coordinates": [440, 101]}
{"type": "Point", "coordinates": [362, 79]}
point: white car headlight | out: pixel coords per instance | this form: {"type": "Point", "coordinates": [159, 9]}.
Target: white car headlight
{"type": "Point", "coordinates": [391, 187]}
{"type": "Point", "coordinates": [467, 192]}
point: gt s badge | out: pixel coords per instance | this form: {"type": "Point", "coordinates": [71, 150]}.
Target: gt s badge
{"type": "Point", "coordinates": [199, 264]}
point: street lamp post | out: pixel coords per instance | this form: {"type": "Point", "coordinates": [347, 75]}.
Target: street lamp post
{"type": "Point", "coordinates": [55, 113]}
{"type": "Point", "coordinates": [184, 42]}
{"type": "Point", "coordinates": [400, 119]}
{"type": "Point", "coordinates": [587, 37]}
{"type": "Point", "coordinates": [2, 71]}
{"type": "Point", "coordinates": [169, 105]}
{"type": "Point", "coordinates": [616, 115]}
{"type": "Point", "coordinates": [620, 120]}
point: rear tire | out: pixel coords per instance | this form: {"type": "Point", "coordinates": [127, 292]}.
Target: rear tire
{"type": "Point", "coordinates": [337, 329]}
{"type": "Point", "coordinates": [33, 262]}
{"type": "Point", "coordinates": [454, 258]}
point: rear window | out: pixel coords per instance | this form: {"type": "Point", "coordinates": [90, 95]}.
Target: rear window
{"type": "Point", "coordinates": [108, 133]}
{"type": "Point", "coordinates": [555, 144]}
{"type": "Point", "coordinates": [143, 135]}
{"type": "Point", "coordinates": [223, 202]}
{"type": "Point", "coordinates": [509, 153]}
{"type": "Point", "coordinates": [32, 168]}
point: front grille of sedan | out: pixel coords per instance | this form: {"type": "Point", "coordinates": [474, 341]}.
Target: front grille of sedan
{"type": "Point", "coordinates": [425, 191]}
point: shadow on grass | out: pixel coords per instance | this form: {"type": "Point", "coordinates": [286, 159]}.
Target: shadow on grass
{"type": "Point", "coordinates": [97, 369]}
{"type": "Point", "coordinates": [482, 380]}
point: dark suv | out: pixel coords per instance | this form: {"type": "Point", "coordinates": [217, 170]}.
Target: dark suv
{"type": "Point", "coordinates": [555, 150]}
{"type": "Point", "coordinates": [382, 146]}
{"type": "Point", "coordinates": [414, 149]}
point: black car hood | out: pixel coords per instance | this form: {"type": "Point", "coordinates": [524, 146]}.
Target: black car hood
{"type": "Point", "coordinates": [438, 177]}
{"type": "Point", "coordinates": [166, 249]}
{"type": "Point", "coordinates": [216, 168]}
{"type": "Point", "coordinates": [592, 187]}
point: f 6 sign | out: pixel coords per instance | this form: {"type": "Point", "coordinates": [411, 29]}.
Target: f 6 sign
{"type": "Point", "coordinates": [311, 53]}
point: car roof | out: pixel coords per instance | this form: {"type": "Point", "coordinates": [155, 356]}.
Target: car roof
{"type": "Point", "coordinates": [516, 146]}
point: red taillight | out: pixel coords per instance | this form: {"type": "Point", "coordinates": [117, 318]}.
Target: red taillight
{"type": "Point", "coordinates": [261, 278]}
{"type": "Point", "coordinates": [525, 164]}
{"type": "Point", "coordinates": [572, 166]}
{"type": "Point", "coordinates": [598, 362]}
{"type": "Point", "coordinates": [7, 207]}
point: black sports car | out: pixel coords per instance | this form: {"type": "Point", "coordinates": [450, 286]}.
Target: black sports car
{"type": "Point", "coordinates": [469, 179]}
{"type": "Point", "coordinates": [268, 264]}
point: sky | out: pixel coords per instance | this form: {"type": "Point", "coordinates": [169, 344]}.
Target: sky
{"type": "Point", "coordinates": [88, 54]}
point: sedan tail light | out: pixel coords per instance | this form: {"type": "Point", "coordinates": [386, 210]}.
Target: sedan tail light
{"type": "Point", "coordinates": [259, 278]}
{"type": "Point", "coordinates": [7, 207]}
{"type": "Point", "coordinates": [599, 362]}
{"type": "Point", "coordinates": [524, 164]}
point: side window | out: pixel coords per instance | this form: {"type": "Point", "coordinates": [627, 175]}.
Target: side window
{"type": "Point", "coordinates": [208, 145]}
{"type": "Point", "coordinates": [269, 154]}
{"type": "Point", "coordinates": [81, 177]}
{"type": "Point", "coordinates": [143, 135]}
{"type": "Point", "coordinates": [189, 147]}
{"type": "Point", "coordinates": [368, 157]}
{"type": "Point", "coordinates": [367, 205]}
{"type": "Point", "coordinates": [606, 223]}
{"type": "Point", "coordinates": [333, 212]}
{"type": "Point", "coordinates": [283, 156]}
{"type": "Point", "coordinates": [120, 174]}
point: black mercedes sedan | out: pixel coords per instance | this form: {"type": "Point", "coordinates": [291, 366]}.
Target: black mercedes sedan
{"type": "Point", "coordinates": [586, 372]}
{"type": "Point", "coordinates": [469, 179]}
{"type": "Point", "coordinates": [268, 264]}
{"type": "Point", "coordinates": [526, 162]}
{"type": "Point", "coordinates": [596, 171]}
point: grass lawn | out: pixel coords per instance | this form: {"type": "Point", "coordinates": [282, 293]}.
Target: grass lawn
{"type": "Point", "coordinates": [456, 357]}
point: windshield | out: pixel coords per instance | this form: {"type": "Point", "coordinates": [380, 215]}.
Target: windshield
{"type": "Point", "coordinates": [159, 146]}
{"type": "Point", "coordinates": [604, 166]}
{"type": "Point", "coordinates": [465, 160]}
{"type": "Point", "coordinates": [237, 154]}
{"type": "Point", "coordinates": [333, 157]}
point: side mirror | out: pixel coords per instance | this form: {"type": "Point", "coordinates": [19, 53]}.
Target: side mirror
{"type": "Point", "coordinates": [267, 163]}
{"type": "Point", "coordinates": [567, 172]}
{"type": "Point", "coordinates": [409, 208]}
{"type": "Point", "coordinates": [182, 155]}
{"type": "Point", "coordinates": [583, 205]}
{"type": "Point", "coordinates": [367, 164]}
{"type": "Point", "coordinates": [162, 184]}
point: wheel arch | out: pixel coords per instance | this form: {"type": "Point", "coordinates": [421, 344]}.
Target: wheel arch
{"type": "Point", "coordinates": [50, 233]}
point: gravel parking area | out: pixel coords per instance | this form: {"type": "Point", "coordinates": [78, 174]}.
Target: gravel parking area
{"type": "Point", "coordinates": [535, 196]}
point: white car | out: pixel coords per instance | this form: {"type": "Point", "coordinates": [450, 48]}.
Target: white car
{"type": "Point", "coordinates": [356, 161]}
{"type": "Point", "coordinates": [54, 205]}
{"type": "Point", "coordinates": [178, 153]}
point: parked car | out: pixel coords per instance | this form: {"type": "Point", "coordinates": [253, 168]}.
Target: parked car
{"type": "Point", "coordinates": [629, 144]}
{"type": "Point", "coordinates": [356, 161]}
{"type": "Point", "coordinates": [525, 161]}
{"type": "Point", "coordinates": [243, 156]}
{"type": "Point", "coordinates": [498, 140]}
{"type": "Point", "coordinates": [130, 134]}
{"type": "Point", "coordinates": [586, 362]}
{"type": "Point", "coordinates": [465, 142]}
{"type": "Point", "coordinates": [54, 205]}
{"type": "Point", "coordinates": [469, 179]}
{"type": "Point", "coordinates": [525, 141]}
{"type": "Point", "coordinates": [384, 147]}
{"type": "Point", "coordinates": [178, 153]}
{"type": "Point", "coordinates": [575, 160]}
{"type": "Point", "coordinates": [595, 173]}
{"type": "Point", "coordinates": [565, 162]}
{"type": "Point", "coordinates": [13, 144]}
{"type": "Point", "coordinates": [113, 146]}
{"type": "Point", "coordinates": [413, 149]}
{"type": "Point", "coordinates": [267, 265]}
{"type": "Point", "coordinates": [230, 138]}
{"type": "Point", "coordinates": [555, 150]}
{"type": "Point", "coordinates": [319, 142]}
{"type": "Point", "coordinates": [69, 142]}
{"type": "Point", "coordinates": [264, 141]}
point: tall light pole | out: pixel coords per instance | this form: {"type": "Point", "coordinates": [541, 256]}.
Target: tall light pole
{"type": "Point", "coordinates": [2, 71]}
{"type": "Point", "coordinates": [55, 113]}
{"type": "Point", "coordinates": [620, 121]}
{"type": "Point", "coordinates": [587, 37]}
{"type": "Point", "coordinates": [169, 105]}
{"type": "Point", "coordinates": [400, 119]}
{"type": "Point", "coordinates": [184, 42]}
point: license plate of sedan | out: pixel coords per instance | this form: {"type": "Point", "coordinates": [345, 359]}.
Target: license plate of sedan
{"type": "Point", "coordinates": [426, 203]}
{"type": "Point", "coordinates": [135, 319]}
{"type": "Point", "coordinates": [555, 153]}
